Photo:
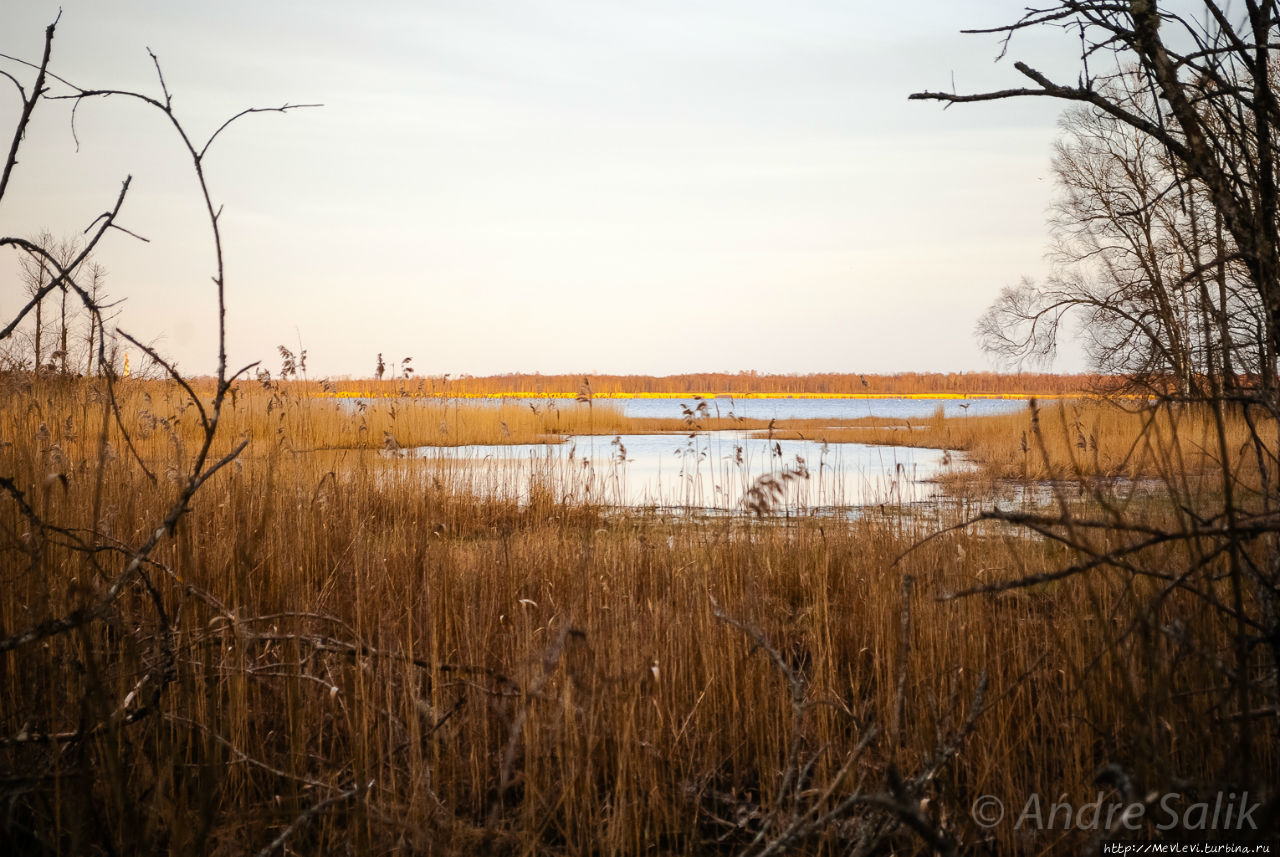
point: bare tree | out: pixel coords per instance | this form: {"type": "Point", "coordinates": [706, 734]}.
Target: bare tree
{"type": "Point", "coordinates": [122, 568]}
{"type": "Point", "coordinates": [1129, 253]}
{"type": "Point", "coordinates": [1185, 103]}
{"type": "Point", "coordinates": [95, 284]}
{"type": "Point", "coordinates": [1198, 88]}
{"type": "Point", "coordinates": [37, 274]}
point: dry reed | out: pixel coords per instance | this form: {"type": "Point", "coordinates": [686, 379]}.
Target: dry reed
{"type": "Point", "coordinates": [360, 659]}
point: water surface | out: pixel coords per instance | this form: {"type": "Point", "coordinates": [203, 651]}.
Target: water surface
{"type": "Point", "coordinates": [720, 470]}
{"type": "Point", "coordinates": [782, 408]}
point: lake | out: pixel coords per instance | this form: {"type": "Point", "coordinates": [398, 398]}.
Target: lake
{"type": "Point", "coordinates": [781, 407]}
{"type": "Point", "coordinates": [717, 470]}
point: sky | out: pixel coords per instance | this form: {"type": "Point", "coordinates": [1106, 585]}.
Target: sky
{"type": "Point", "coordinates": [548, 185]}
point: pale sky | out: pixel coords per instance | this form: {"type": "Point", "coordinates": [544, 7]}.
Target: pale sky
{"type": "Point", "coordinates": [562, 185]}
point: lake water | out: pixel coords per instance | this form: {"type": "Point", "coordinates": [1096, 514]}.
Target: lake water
{"type": "Point", "coordinates": [784, 408]}
{"type": "Point", "coordinates": [722, 470]}
{"type": "Point", "coordinates": [712, 471]}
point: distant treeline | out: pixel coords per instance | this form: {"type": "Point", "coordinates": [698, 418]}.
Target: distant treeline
{"type": "Point", "coordinates": [712, 383]}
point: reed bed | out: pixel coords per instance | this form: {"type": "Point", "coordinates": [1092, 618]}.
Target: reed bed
{"type": "Point", "coordinates": [740, 384]}
{"type": "Point", "coordinates": [157, 415]}
{"type": "Point", "coordinates": [1086, 437]}
{"type": "Point", "coordinates": [360, 656]}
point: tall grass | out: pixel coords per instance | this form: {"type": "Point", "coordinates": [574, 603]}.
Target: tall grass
{"type": "Point", "coordinates": [362, 660]}
{"type": "Point", "coordinates": [1090, 436]}
{"type": "Point", "coordinates": [295, 415]}
{"type": "Point", "coordinates": [740, 384]}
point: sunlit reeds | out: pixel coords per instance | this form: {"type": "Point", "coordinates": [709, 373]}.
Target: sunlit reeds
{"type": "Point", "coordinates": [456, 671]}
{"type": "Point", "coordinates": [741, 385]}
{"type": "Point", "coordinates": [1081, 437]}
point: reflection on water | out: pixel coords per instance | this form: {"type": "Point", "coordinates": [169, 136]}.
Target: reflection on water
{"type": "Point", "coordinates": [706, 471]}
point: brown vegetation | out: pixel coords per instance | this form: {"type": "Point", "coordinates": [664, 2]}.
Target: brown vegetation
{"type": "Point", "coordinates": [317, 648]}
{"type": "Point", "coordinates": [1081, 438]}
{"type": "Point", "coordinates": [356, 659]}
{"type": "Point", "coordinates": [740, 383]}
{"type": "Point", "coordinates": [294, 413]}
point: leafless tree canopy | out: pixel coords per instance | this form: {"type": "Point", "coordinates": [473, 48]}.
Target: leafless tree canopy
{"type": "Point", "coordinates": [61, 335]}
{"type": "Point", "coordinates": [1169, 178]}
{"type": "Point", "coordinates": [1166, 243]}
{"type": "Point", "coordinates": [1141, 259]}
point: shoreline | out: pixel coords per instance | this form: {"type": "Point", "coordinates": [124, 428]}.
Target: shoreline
{"type": "Point", "coordinates": [351, 394]}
